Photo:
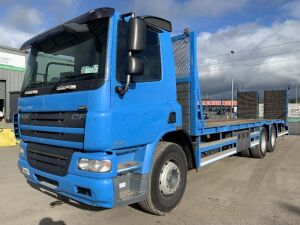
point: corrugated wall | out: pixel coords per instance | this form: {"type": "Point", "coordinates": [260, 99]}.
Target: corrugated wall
{"type": "Point", "coordinates": [13, 79]}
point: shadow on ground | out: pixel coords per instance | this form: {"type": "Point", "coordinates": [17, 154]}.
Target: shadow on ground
{"type": "Point", "coordinates": [60, 200]}
{"type": "Point", "coordinates": [49, 221]}
{"type": "Point", "coordinates": [290, 207]}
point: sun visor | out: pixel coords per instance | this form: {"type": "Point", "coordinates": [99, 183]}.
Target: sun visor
{"type": "Point", "coordinates": [157, 22]}
{"type": "Point", "coordinates": [85, 18]}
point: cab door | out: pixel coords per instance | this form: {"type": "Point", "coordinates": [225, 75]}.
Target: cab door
{"type": "Point", "coordinates": [141, 115]}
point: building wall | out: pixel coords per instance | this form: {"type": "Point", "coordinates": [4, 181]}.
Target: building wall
{"type": "Point", "coordinates": [293, 110]}
{"type": "Point", "coordinates": [13, 78]}
{"type": "Point", "coordinates": [218, 103]}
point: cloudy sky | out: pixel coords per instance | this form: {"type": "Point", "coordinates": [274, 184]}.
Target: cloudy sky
{"type": "Point", "coordinates": [263, 34]}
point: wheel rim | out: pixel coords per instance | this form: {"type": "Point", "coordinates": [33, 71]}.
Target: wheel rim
{"type": "Point", "coordinates": [169, 178]}
{"type": "Point", "coordinates": [263, 144]}
{"type": "Point", "coordinates": [273, 139]}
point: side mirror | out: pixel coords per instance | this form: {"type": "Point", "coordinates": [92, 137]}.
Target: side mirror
{"type": "Point", "coordinates": [136, 35]}
{"type": "Point", "coordinates": [136, 44]}
{"type": "Point", "coordinates": [135, 66]}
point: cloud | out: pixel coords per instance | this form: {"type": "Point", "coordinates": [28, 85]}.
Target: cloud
{"type": "Point", "coordinates": [23, 18]}
{"type": "Point", "coordinates": [188, 8]}
{"type": "Point", "coordinates": [19, 24]}
{"type": "Point", "coordinates": [69, 3]}
{"type": "Point", "coordinates": [62, 10]}
{"type": "Point", "coordinates": [182, 12]}
{"type": "Point", "coordinates": [22, 22]}
{"type": "Point", "coordinates": [12, 37]}
{"type": "Point", "coordinates": [263, 68]}
{"type": "Point", "coordinates": [293, 9]}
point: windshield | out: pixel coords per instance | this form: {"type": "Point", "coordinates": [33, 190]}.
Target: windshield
{"type": "Point", "coordinates": [68, 58]}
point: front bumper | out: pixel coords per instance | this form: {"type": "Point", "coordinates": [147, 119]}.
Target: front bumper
{"type": "Point", "coordinates": [123, 185]}
{"type": "Point", "coordinates": [92, 191]}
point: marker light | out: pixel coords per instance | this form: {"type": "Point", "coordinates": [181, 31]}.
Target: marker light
{"type": "Point", "coordinates": [21, 151]}
{"type": "Point", "coordinates": [97, 166]}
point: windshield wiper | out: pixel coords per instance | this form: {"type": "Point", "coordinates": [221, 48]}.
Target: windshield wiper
{"type": "Point", "coordinates": [67, 79]}
{"type": "Point", "coordinates": [64, 80]}
{"type": "Point", "coordinates": [32, 92]}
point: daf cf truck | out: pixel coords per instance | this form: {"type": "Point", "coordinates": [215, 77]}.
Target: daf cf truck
{"type": "Point", "coordinates": [110, 113]}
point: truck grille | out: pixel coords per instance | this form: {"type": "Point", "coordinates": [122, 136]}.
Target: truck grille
{"type": "Point", "coordinates": [16, 125]}
{"type": "Point", "coordinates": [43, 121]}
{"type": "Point", "coordinates": [50, 159]}
{"type": "Point", "coordinates": [54, 119]}
{"type": "Point", "coordinates": [53, 135]}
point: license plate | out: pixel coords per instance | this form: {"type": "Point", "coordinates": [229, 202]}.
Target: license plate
{"type": "Point", "coordinates": [25, 171]}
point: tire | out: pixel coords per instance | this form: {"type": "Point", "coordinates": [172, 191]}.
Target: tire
{"type": "Point", "coordinates": [164, 194]}
{"type": "Point", "coordinates": [260, 150]}
{"type": "Point", "coordinates": [272, 142]}
{"type": "Point", "coordinates": [245, 153]}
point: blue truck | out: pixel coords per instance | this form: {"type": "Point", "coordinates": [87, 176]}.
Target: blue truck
{"type": "Point", "coordinates": [110, 113]}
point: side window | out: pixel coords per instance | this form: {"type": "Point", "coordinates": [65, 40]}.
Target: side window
{"type": "Point", "coordinates": [151, 56]}
{"type": "Point", "coordinates": [122, 51]}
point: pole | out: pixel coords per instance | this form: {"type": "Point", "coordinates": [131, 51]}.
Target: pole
{"type": "Point", "coordinates": [221, 108]}
{"type": "Point", "coordinates": [296, 94]}
{"type": "Point", "coordinates": [232, 76]}
{"type": "Point", "coordinates": [231, 96]}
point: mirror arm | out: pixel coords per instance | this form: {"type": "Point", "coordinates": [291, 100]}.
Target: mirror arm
{"type": "Point", "coordinates": [123, 89]}
{"type": "Point", "coordinates": [131, 14]}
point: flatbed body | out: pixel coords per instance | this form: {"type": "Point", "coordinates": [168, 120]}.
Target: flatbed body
{"type": "Point", "coordinates": [212, 126]}
{"type": "Point", "coordinates": [214, 138]}
{"type": "Point", "coordinates": [190, 98]}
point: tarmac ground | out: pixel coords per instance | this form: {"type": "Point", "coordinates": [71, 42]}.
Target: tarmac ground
{"type": "Point", "coordinates": [235, 190]}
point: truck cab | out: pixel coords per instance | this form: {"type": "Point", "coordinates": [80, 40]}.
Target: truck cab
{"type": "Point", "coordinates": [82, 135]}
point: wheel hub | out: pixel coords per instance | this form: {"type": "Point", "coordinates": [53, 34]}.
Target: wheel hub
{"type": "Point", "coordinates": [169, 178]}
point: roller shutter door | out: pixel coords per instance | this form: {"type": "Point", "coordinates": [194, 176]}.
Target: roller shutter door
{"type": "Point", "coordinates": [2, 89]}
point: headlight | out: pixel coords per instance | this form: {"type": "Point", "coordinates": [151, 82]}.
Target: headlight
{"type": "Point", "coordinates": [21, 151]}
{"type": "Point", "coordinates": [98, 166]}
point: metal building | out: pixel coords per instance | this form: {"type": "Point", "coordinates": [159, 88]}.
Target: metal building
{"type": "Point", "coordinates": [12, 69]}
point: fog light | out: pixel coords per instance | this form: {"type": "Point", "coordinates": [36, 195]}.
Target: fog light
{"type": "Point", "coordinates": [98, 166]}
{"type": "Point", "coordinates": [25, 171]}
{"type": "Point", "coordinates": [21, 151]}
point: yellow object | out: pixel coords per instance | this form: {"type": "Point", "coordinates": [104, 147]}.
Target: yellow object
{"type": "Point", "coordinates": [7, 138]}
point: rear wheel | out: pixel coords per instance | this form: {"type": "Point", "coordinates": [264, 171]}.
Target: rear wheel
{"type": "Point", "coordinates": [167, 180]}
{"type": "Point", "coordinates": [272, 142]}
{"type": "Point", "coordinates": [260, 150]}
{"type": "Point", "coordinates": [245, 153]}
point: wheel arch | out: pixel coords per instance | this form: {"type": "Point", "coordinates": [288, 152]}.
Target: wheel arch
{"type": "Point", "coordinates": [183, 139]}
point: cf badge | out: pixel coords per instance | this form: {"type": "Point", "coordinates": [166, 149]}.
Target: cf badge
{"type": "Point", "coordinates": [78, 116]}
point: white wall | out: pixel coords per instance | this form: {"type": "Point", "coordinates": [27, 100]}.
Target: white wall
{"type": "Point", "coordinates": [293, 110]}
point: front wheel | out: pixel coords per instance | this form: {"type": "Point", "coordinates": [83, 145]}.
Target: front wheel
{"type": "Point", "coordinates": [167, 180]}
